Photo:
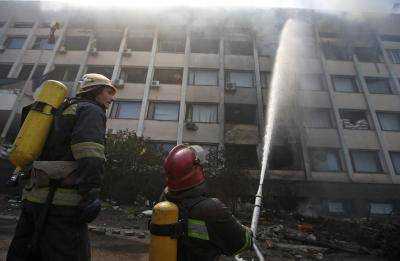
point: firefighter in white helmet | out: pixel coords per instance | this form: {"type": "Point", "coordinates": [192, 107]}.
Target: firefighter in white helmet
{"type": "Point", "coordinates": [74, 151]}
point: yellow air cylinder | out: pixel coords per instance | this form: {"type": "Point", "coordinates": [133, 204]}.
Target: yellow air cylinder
{"type": "Point", "coordinates": [33, 134]}
{"type": "Point", "coordinates": [164, 248]}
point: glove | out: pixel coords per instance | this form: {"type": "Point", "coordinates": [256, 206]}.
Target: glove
{"type": "Point", "coordinates": [89, 211]}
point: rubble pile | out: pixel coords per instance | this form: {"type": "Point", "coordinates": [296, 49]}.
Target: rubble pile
{"type": "Point", "coordinates": [290, 235]}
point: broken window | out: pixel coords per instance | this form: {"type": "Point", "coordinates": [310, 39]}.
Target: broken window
{"type": "Point", "coordinates": [240, 113]}
{"type": "Point", "coordinates": [325, 160]}
{"type": "Point", "coordinates": [311, 82]}
{"type": "Point", "coordinates": [25, 72]}
{"type": "Point", "coordinates": [42, 43]}
{"type": "Point", "coordinates": [243, 79]}
{"type": "Point", "coordinates": [4, 70]}
{"type": "Point", "coordinates": [140, 44]}
{"type": "Point", "coordinates": [107, 71]}
{"type": "Point", "coordinates": [366, 161]}
{"type": "Point", "coordinates": [204, 46]}
{"type": "Point", "coordinates": [394, 55]}
{"type": "Point", "coordinates": [244, 156]}
{"type": "Point", "coordinates": [168, 76]}
{"type": "Point", "coordinates": [15, 42]}
{"type": "Point", "coordinates": [171, 45]}
{"type": "Point", "coordinates": [389, 121]}
{"type": "Point", "coordinates": [239, 47]}
{"type": "Point", "coordinates": [378, 85]}
{"type": "Point", "coordinates": [108, 43]}
{"type": "Point", "coordinates": [207, 113]}
{"type": "Point", "coordinates": [65, 73]}
{"type": "Point", "coordinates": [380, 208]}
{"type": "Point", "coordinates": [203, 77]}
{"type": "Point", "coordinates": [344, 83]}
{"type": "Point", "coordinates": [23, 24]}
{"type": "Point", "coordinates": [76, 43]}
{"type": "Point", "coordinates": [318, 118]}
{"type": "Point", "coordinates": [395, 156]}
{"type": "Point", "coordinates": [390, 38]}
{"type": "Point", "coordinates": [163, 111]}
{"type": "Point", "coordinates": [367, 54]}
{"type": "Point", "coordinates": [134, 74]}
{"type": "Point", "coordinates": [354, 119]}
{"type": "Point", "coordinates": [126, 109]}
{"type": "Point", "coordinates": [286, 157]}
{"type": "Point", "coordinates": [335, 52]}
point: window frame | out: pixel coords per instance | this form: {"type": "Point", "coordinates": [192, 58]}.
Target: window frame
{"type": "Point", "coordinates": [116, 107]}
{"type": "Point", "coordinates": [194, 70]}
{"type": "Point", "coordinates": [378, 113]}
{"type": "Point", "coordinates": [189, 111]}
{"type": "Point", "coordinates": [151, 108]}
{"type": "Point", "coordinates": [329, 113]}
{"type": "Point", "coordinates": [378, 158]}
{"type": "Point", "coordinates": [227, 78]}
{"type": "Point", "coordinates": [367, 117]}
{"type": "Point", "coordinates": [335, 151]}
{"type": "Point", "coordinates": [9, 38]}
{"type": "Point", "coordinates": [387, 80]}
{"type": "Point", "coordinates": [353, 80]}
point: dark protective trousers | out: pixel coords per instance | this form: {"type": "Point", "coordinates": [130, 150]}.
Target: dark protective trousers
{"type": "Point", "coordinates": [62, 237]}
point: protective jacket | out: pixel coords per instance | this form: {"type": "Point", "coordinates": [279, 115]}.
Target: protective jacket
{"type": "Point", "coordinates": [211, 229]}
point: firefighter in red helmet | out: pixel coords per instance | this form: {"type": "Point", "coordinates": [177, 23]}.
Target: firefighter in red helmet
{"type": "Point", "coordinates": [211, 229]}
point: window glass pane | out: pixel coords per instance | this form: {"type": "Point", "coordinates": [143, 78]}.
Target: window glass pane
{"type": "Point", "coordinates": [166, 111]}
{"type": "Point", "coordinates": [381, 208]}
{"type": "Point", "coordinates": [325, 160]}
{"type": "Point", "coordinates": [380, 86]}
{"type": "Point", "coordinates": [241, 79]}
{"type": "Point", "coordinates": [134, 75]}
{"type": "Point", "coordinates": [389, 121]}
{"type": "Point", "coordinates": [366, 161]}
{"type": "Point", "coordinates": [127, 110]}
{"type": "Point", "coordinates": [107, 71]}
{"type": "Point", "coordinates": [203, 77]}
{"type": "Point", "coordinates": [240, 114]}
{"type": "Point", "coordinates": [76, 43]}
{"type": "Point", "coordinates": [318, 119]}
{"type": "Point", "coordinates": [204, 46]}
{"type": "Point", "coordinates": [335, 207]}
{"type": "Point", "coordinates": [42, 43]}
{"type": "Point", "coordinates": [25, 71]}
{"type": "Point", "coordinates": [310, 82]}
{"type": "Point", "coordinates": [396, 161]}
{"type": "Point", "coordinates": [395, 55]}
{"type": "Point", "coordinates": [204, 113]}
{"type": "Point", "coordinates": [4, 70]}
{"type": "Point", "coordinates": [15, 42]}
{"type": "Point", "coordinates": [140, 44]}
{"type": "Point", "coordinates": [344, 84]}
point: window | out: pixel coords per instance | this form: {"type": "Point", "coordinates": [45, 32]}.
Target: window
{"type": "Point", "coordinates": [108, 43]}
{"type": "Point", "coordinates": [394, 55]}
{"type": "Point", "coordinates": [2, 23]}
{"type": "Point", "coordinates": [318, 118]}
{"type": "Point", "coordinates": [389, 121]}
{"type": "Point", "coordinates": [367, 54]}
{"type": "Point", "coordinates": [240, 114]}
{"type": "Point", "coordinates": [202, 113]}
{"type": "Point", "coordinates": [140, 44]}
{"type": "Point", "coordinates": [335, 207]}
{"type": "Point", "coordinates": [15, 42]}
{"type": "Point", "coordinates": [23, 24]}
{"type": "Point", "coordinates": [378, 85]}
{"type": "Point", "coordinates": [203, 77]}
{"type": "Point", "coordinates": [265, 78]}
{"type": "Point", "coordinates": [42, 43]}
{"type": "Point", "coordinates": [325, 160]}
{"type": "Point", "coordinates": [390, 38]}
{"type": "Point", "coordinates": [244, 156]}
{"type": "Point", "coordinates": [395, 156]}
{"type": "Point", "coordinates": [126, 110]}
{"type": "Point", "coordinates": [107, 71]}
{"type": "Point", "coordinates": [163, 111]}
{"type": "Point", "coordinates": [286, 157]}
{"type": "Point", "coordinates": [354, 119]}
{"type": "Point", "coordinates": [4, 70]}
{"type": "Point", "coordinates": [366, 161]}
{"type": "Point", "coordinates": [25, 71]}
{"type": "Point", "coordinates": [239, 47]}
{"type": "Point", "coordinates": [76, 43]}
{"type": "Point", "coordinates": [310, 82]}
{"type": "Point", "coordinates": [66, 73]}
{"type": "Point", "coordinates": [344, 83]}
{"type": "Point", "coordinates": [171, 45]}
{"type": "Point", "coordinates": [240, 78]}
{"type": "Point", "coordinates": [380, 208]}
{"type": "Point", "coordinates": [45, 24]}
{"type": "Point", "coordinates": [204, 46]}
{"type": "Point", "coordinates": [134, 74]}
{"type": "Point", "coordinates": [168, 76]}
{"type": "Point", "coordinates": [163, 147]}
{"type": "Point", "coordinates": [334, 52]}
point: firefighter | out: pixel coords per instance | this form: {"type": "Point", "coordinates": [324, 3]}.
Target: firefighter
{"type": "Point", "coordinates": [211, 229]}
{"type": "Point", "coordinates": [62, 195]}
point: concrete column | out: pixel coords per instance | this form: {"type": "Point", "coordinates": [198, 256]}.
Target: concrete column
{"type": "Point", "coordinates": [118, 62]}
{"type": "Point", "coordinates": [182, 107]}
{"type": "Point", "coordinates": [149, 78]}
{"type": "Point", "coordinates": [221, 85]}
{"type": "Point", "coordinates": [60, 40]}
{"type": "Point", "coordinates": [18, 62]}
{"type": "Point", "coordinates": [338, 121]}
{"type": "Point", "coordinates": [374, 117]}
{"type": "Point", "coordinates": [82, 65]}
{"type": "Point", "coordinates": [4, 30]}
{"type": "Point", "coordinates": [260, 104]}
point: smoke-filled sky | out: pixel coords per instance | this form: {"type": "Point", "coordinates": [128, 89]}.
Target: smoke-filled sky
{"type": "Point", "coordinates": [342, 5]}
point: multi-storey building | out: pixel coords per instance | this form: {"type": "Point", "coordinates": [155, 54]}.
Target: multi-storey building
{"type": "Point", "coordinates": [202, 76]}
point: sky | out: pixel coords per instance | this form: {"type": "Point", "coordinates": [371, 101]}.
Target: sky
{"type": "Point", "coordinates": [342, 5]}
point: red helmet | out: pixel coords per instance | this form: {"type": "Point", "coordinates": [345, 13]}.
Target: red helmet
{"type": "Point", "coordinates": [183, 167]}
